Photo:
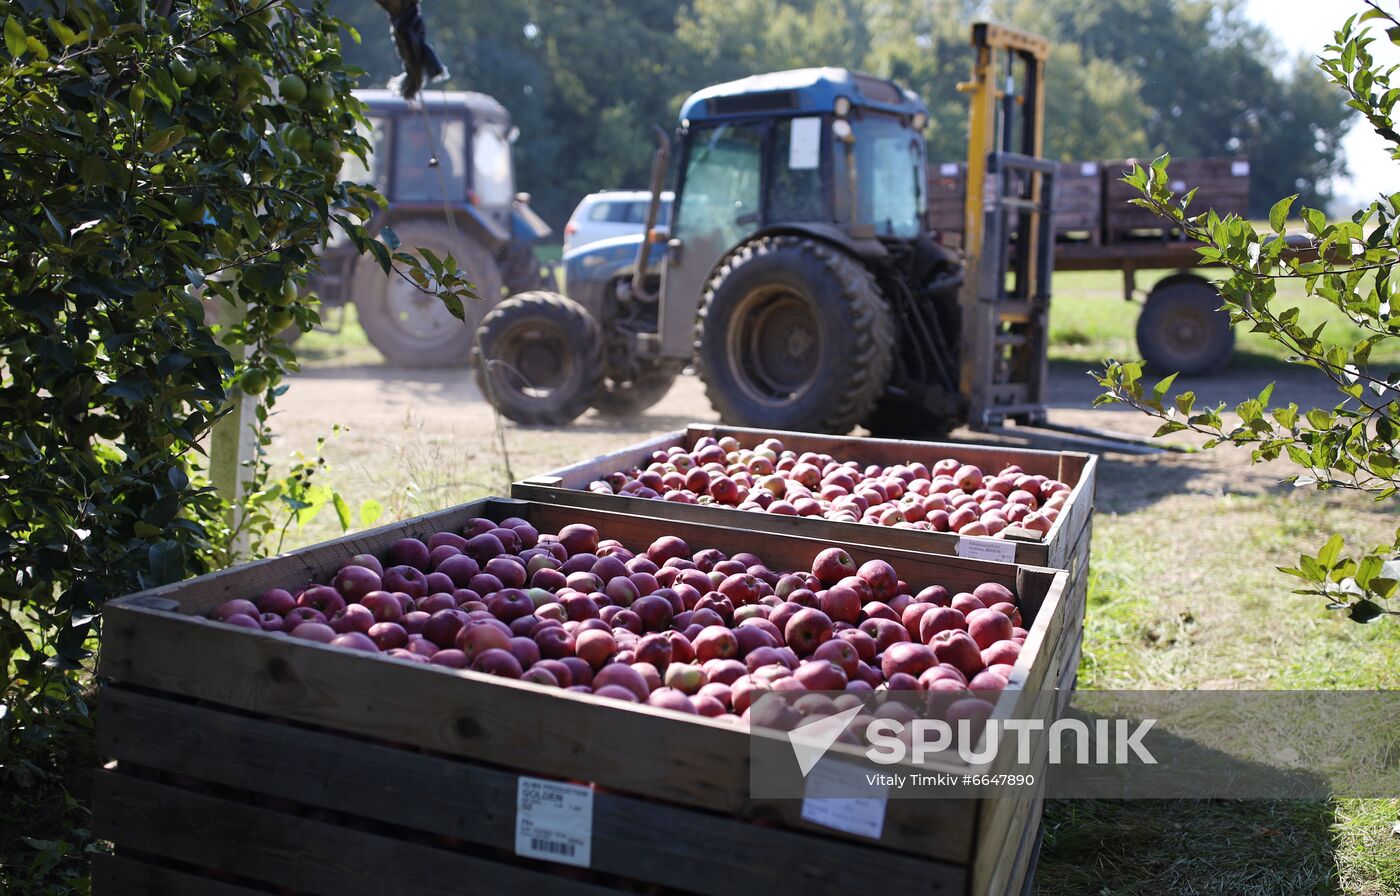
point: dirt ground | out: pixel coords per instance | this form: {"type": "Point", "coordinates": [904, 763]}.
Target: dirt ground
{"type": "Point", "coordinates": [436, 424]}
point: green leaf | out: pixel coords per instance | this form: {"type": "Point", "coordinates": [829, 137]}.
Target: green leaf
{"type": "Point", "coordinates": [342, 510]}
{"type": "Point", "coordinates": [1278, 215]}
{"type": "Point", "coordinates": [1327, 557]}
{"type": "Point", "coordinates": [1364, 611]}
{"type": "Point", "coordinates": [14, 37]}
{"type": "Point", "coordinates": [167, 561]}
{"type": "Point", "coordinates": [370, 511]}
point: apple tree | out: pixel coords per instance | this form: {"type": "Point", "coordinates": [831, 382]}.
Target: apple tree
{"type": "Point", "coordinates": [1352, 266]}
{"type": "Point", "coordinates": [158, 159]}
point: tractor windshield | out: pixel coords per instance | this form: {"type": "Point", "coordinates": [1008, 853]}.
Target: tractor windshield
{"type": "Point", "coordinates": [890, 176]}
{"type": "Point", "coordinates": [491, 179]}
{"type": "Point", "coordinates": [430, 163]}
{"type": "Point", "coordinates": [719, 202]}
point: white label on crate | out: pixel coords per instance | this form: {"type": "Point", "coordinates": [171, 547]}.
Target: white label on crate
{"type": "Point", "coordinates": [863, 816]}
{"type": "Point", "coordinates": [976, 548]}
{"type": "Point", "coordinates": [948, 169]}
{"type": "Point", "coordinates": [554, 821]}
{"type": "Point", "coordinates": [1088, 169]}
{"type": "Point", "coordinates": [1239, 169]}
{"type": "Point", "coordinates": [805, 144]}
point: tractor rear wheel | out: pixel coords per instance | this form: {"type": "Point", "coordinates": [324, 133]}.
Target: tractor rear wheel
{"type": "Point", "coordinates": [539, 358]}
{"type": "Point", "coordinates": [793, 334]}
{"type": "Point", "coordinates": [413, 328]}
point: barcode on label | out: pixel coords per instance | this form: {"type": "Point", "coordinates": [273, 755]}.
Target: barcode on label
{"type": "Point", "coordinates": [552, 846]}
{"type": "Point", "coordinates": [554, 821]}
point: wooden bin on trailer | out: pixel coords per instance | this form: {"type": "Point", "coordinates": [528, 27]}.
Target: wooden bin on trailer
{"type": "Point", "coordinates": [248, 762]}
{"type": "Point", "coordinates": [1222, 184]}
{"type": "Point", "coordinates": [1066, 546]}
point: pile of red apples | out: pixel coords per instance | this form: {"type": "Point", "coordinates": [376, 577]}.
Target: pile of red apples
{"type": "Point", "coordinates": [687, 630]}
{"type": "Point", "coordinates": [950, 496]}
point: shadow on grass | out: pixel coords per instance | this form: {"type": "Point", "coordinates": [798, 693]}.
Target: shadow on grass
{"type": "Point", "coordinates": [1188, 847]}
{"type": "Point", "coordinates": [1073, 386]}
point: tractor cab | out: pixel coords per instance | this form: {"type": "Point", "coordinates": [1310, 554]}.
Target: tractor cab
{"type": "Point", "coordinates": [826, 152]}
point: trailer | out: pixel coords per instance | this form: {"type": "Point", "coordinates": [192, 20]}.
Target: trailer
{"type": "Point", "coordinates": [1181, 327]}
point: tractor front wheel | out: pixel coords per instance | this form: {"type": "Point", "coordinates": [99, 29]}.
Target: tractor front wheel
{"type": "Point", "coordinates": [793, 334]}
{"type": "Point", "coordinates": [539, 358]}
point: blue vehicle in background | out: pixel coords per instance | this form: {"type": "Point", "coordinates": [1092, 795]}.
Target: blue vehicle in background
{"type": "Point", "coordinates": [799, 273]}
{"type": "Point", "coordinates": [444, 164]}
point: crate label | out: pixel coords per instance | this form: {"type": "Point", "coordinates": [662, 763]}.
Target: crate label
{"type": "Point", "coordinates": [1088, 169]}
{"type": "Point", "coordinates": [554, 821]}
{"type": "Point", "coordinates": [863, 816]}
{"type": "Point", "coordinates": [1239, 169]}
{"type": "Point", "coordinates": [805, 144]}
{"type": "Point", "coordinates": [976, 548]}
{"type": "Point", "coordinates": [948, 169]}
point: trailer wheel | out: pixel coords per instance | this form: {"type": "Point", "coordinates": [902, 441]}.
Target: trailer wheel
{"type": "Point", "coordinates": [539, 358]}
{"type": "Point", "coordinates": [412, 328]}
{"type": "Point", "coordinates": [793, 334]}
{"type": "Point", "coordinates": [1183, 329]}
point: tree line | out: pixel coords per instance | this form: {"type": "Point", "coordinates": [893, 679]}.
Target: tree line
{"type": "Point", "coordinates": [1126, 78]}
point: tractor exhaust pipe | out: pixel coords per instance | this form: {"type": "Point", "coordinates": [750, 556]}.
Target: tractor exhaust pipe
{"type": "Point", "coordinates": [659, 164]}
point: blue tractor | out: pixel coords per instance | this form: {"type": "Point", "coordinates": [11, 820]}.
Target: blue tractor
{"type": "Point", "coordinates": [799, 275]}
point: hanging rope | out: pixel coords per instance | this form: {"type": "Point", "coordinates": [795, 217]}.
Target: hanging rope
{"type": "Point", "coordinates": [421, 64]}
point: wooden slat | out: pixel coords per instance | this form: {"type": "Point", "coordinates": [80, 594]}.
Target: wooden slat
{"type": "Point", "coordinates": [647, 841]}
{"type": "Point", "coordinates": [635, 749]}
{"type": "Point", "coordinates": [1064, 536]}
{"type": "Point", "coordinates": [127, 876]}
{"type": "Point", "coordinates": [301, 853]}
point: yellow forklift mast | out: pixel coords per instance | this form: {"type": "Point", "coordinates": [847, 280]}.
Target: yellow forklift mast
{"type": "Point", "coordinates": [1008, 237]}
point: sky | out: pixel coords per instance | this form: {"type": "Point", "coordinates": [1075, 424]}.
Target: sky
{"type": "Point", "coordinates": [1306, 26]}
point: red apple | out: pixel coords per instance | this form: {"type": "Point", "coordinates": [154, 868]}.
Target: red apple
{"type": "Point", "coordinates": [842, 602]}
{"type": "Point", "coordinates": [409, 552]}
{"type": "Point", "coordinates": [832, 565]}
{"type": "Point", "coordinates": [275, 600]}
{"type": "Point", "coordinates": [821, 675]}
{"type": "Point", "coordinates": [496, 661]}
{"type": "Point", "coordinates": [987, 627]}
{"type": "Point", "coordinates": [323, 598]}
{"type": "Point", "coordinates": [383, 605]}
{"type": "Point", "coordinates": [881, 578]}
{"type": "Point", "coordinates": [806, 630]}
{"type": "Point", "coordinates": [907, 657]}
{"type": "Point", "coordinates": [619, 675]}
{"type": "Point", "coordinates": [716, 642]}
{"type": "Point", "coordinates": [475, 639]}
{"type": "Point", "coordinates": [959, 650]}
{"type": "Point", "coordinates": [354, 582]}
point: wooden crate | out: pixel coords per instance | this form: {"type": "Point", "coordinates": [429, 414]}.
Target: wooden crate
{"type": "Point", "coordinates": [1066, 546]}
{"type": "Point", "coordinates": [1221, 184]}
{"type": "Point", "coordinates": [1079, 202]}
{"type": "Point", "coordinates": [247, 762]}
{"type": "Point", "coordinates": [947, 194]}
